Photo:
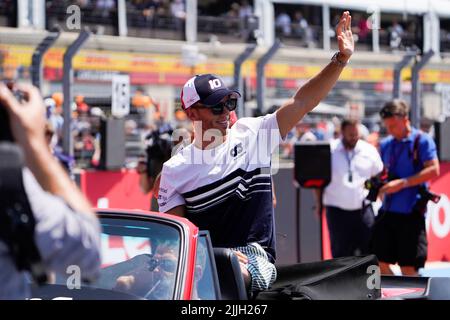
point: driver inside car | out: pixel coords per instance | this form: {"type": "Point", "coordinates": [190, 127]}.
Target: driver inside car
{"type": "Point", "coordinates": [153, 279]}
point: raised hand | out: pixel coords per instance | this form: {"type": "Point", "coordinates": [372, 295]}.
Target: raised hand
{"type": "Point", "coordinates": [344, 35]}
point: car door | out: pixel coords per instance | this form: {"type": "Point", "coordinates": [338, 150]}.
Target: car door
{"type": "Point", "coordinates": [144, 256]}
{"type": "Point", "coordinates": [206, 282]}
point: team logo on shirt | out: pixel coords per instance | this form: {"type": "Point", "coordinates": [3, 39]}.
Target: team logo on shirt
{"type": "Point", "coordinates": [237, 149]}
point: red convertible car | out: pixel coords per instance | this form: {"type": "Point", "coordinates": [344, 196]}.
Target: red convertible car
{"type": "Point", "coordinates": [155, 256]}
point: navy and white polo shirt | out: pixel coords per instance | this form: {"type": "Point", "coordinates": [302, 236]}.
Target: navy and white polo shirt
{"type": "Point", "coordinates": [227, 189]}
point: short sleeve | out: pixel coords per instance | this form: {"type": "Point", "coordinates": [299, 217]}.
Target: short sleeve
{"type": "Point", "coordinates": [270, 132]}
{"type": "Point", "coordinates": [427, 148]}
{"type": "Point", "coordinates": [63, 236]}
{"type": "Point", "coordinates": [377, 165]}
{"type": "Point", "coordinates": [168, 197]}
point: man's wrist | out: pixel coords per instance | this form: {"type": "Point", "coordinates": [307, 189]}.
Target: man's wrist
{"type": "Point", "coordinates": [405, 183]}
{"type": "Point", "coordinates": [35, 147]}
{"type": "Point", "coordinates": [340, 59]}
{"type": "Point", "coordinates": [343, 57]}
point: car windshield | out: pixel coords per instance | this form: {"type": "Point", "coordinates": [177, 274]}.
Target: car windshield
{"type": "Point", "coordinates": [139, 259]}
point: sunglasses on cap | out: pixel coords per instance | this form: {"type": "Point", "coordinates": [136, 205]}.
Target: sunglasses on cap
{"type": "Point", "coordinates": [388, 114]}
{"type": "Point", "coordinates": [167, 265]}
{"type": "Point", "coordinates": [217, 109]}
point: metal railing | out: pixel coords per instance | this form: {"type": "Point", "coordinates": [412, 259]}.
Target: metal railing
{"type": "Point", "coordinates": [310, 37]}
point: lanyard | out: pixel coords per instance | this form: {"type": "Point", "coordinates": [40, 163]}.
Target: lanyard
{"type": "Point", "coordinates": [349, 161]}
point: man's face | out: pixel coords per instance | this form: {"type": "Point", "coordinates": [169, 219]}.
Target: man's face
{"type": "Point", "coordinates": [164, 274]}
{"type": "Point", "coordinates": [155, 279]}
{"type": "Point", "coordinates": [396, 126]}
{"type": "Point", "coordinates": [165, 263]}
{"type": "Point", "coordinates": [350, 136]}
{"type": "Point", "coordinates": [209, 120]}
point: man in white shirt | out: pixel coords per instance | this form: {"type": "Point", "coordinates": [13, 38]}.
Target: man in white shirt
{"type": "Point", "coordinates": [222, 180]}
{"type": "Point", "coordinates": [349, 219]}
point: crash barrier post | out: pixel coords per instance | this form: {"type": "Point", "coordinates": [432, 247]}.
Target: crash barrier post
{"type": "Point", "coordinates": [398, 67]}
{"type": "Point", "coordinates": [312, 169]}
{"type": "Point", "coordinates": [442, 132]}
{"type": "Point", "coordinates": [260, 75]}
{"type": "Point", "coordinates": [68, 90]}
{"type": "Point", "coordinates": [415, 88]}
{"type": "Point", "coordinates": [238, 80]}
{"type": "Point", "coordinates": [38, 55]}
{"type": "Point", "coordinates": [112, 143]}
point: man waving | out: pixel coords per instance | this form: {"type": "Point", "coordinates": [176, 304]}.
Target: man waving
{"type": "Point", "coordinates": [222, 180]}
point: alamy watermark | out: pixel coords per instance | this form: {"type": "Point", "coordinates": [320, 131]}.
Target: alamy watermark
{"type": "Point", "coordinates": [74, 277]}
{"type": "Point", "coordinates": [73, 21]}
{"type": "Point", "coordinates": [374, 279]}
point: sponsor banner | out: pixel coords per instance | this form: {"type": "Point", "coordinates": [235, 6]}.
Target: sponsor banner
{"type": "Point", "coordinates": [114, 189]}
{"type": "Point", "coordinates": [438, 218]}
{"type": "Point", "coordinates": [141, 63]}
{"type": "Point", "coordinates": [18, 55]}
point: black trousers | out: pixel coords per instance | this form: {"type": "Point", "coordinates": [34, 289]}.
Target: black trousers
{"type": "Point", "coordinates": [350, 230]}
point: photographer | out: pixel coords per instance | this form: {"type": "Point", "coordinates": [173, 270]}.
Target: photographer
{"type": "Point", "coordinates": [410, 157]}
{"type": "Point", "coordinates": [349, 218]}
{"type": "Point", "coordinates": [158, 150]}
{"type": "Point", "coordinates": [66, 231]}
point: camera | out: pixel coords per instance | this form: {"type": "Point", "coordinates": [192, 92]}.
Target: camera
{"type": "Point", "coordinates": [425, 196]}
{"type": "Point", "coordinates": [5, 128]}
{"type": "Point", "coordinates": [375, 183]}
{"type": "Point", "coordinates": [159, 148]}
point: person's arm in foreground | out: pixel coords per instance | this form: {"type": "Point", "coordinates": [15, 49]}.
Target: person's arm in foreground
{"type": "Point", "coordinates": [27, 124]}
{"type": "Point", "coordinates": [67, 231]}
{"type": "Point", "coordinates": [309, 95]}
